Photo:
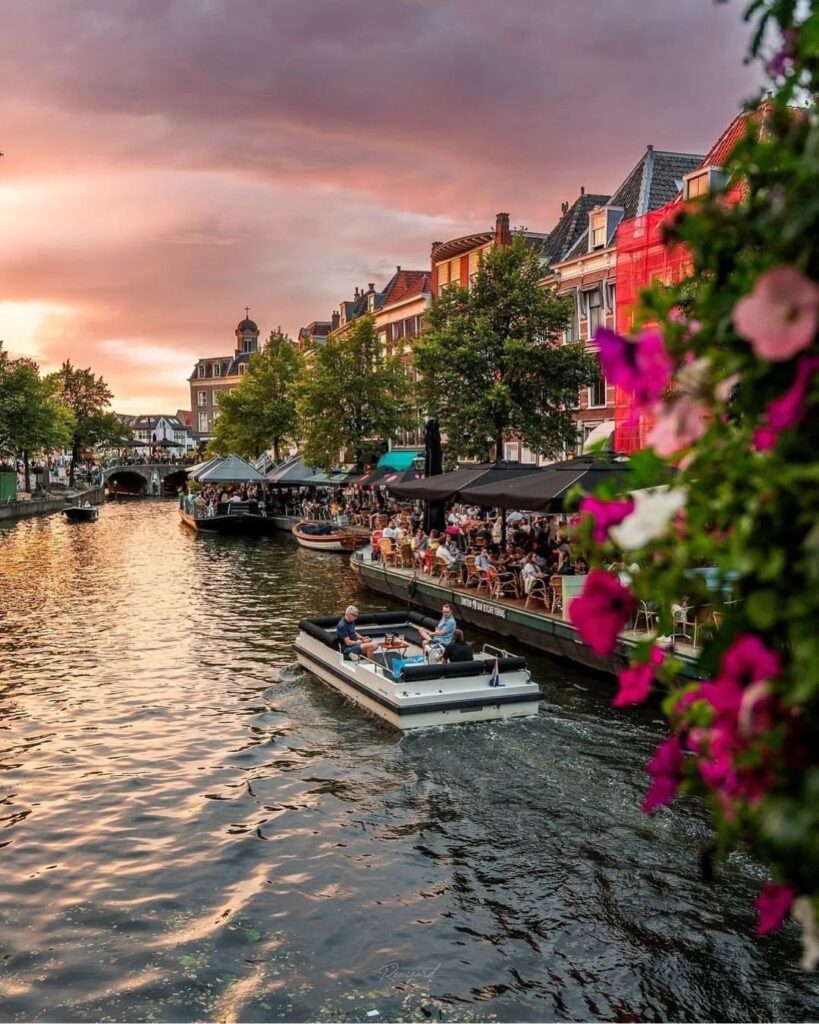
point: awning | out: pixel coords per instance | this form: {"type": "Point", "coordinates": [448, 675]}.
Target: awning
{"type": "Point", "coordinates": [445, 486]}
{"type": "Point", "coordinates": [292, 473]}
{"type": "Point", "coordinates": [545, 490]}
{"type": "Point", "coordinates": [231, 470]}
{"type": "Point", "coordinates": [194, 471]}
{"type": "Point", "coordinates": [399, 459]}
{"type": "Point", "coordinates": [602, 432]}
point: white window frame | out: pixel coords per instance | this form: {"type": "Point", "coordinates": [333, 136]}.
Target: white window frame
{"type": "Point", "coordinates": [201, 398]}
{"type": "Point", "coordinates": [217, 369]}
{"type": "Point", "coordinates": [511, 451]}
{"type": "Point", "coordinates": [527, 455]}
{"type": "Point", "coordinates": [598, 225]}
{"type": "Point", "coordinates": [599, 308]}
{"type": "Point", "coordinates": [590, 393]}
{"type": "Point", "coordinates": [203, 418]}
{"type": "Point", "coordinates": [200, 370]}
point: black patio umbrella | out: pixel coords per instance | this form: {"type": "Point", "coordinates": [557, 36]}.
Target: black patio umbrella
{"type": "Point", "coordinates": [545, 490]}
{"type": "Point", "coordinates": [167, 443]}
{"type": "Point", "coordinates": [136, 443]}
{"type": "Point", "coordinates": [434, 511]}
{"type": "Point", "coordinates": [446, 486]}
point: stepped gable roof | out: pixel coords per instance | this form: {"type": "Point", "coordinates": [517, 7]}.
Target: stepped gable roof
{"type": "Point", "coordinates": [651, 183]}
{"type": "Point", "coordinates": [571, 226]}
{"type": "Point", "coordinates": [405, 284]}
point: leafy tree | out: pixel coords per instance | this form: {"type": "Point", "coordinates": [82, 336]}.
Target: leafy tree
{"type": "Point", "coordinates": [488, 363]}
{"type": "Point", "coordinates": [87, 396]}
{"type": "Point", "coordinates": [261, 412]}
{"type": "Point", "coordinates": [106, 428]}
{"type": "Point", "coordinates": [33, 419]}
{"type": "Point", "coordinates": [350, 395]}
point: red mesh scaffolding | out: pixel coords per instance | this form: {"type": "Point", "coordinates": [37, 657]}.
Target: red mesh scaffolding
{"type": "Point", "coordinates": [642, 257]}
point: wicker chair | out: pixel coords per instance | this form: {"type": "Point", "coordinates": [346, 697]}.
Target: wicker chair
{"type": "Point", "coordinates": [556, 585]}
{"type": "Point", "coordinates": [388, 552]}
{"type": "Point", "coordinates": [487, 580]}
{"type": "Point", "coordinates": [506, 585]}
{"type": "Point", "coordinates": [472, 572]}
{"type": "Point", "coordinates": [539, 592]}
{"type": "Point", "coordinates": [405, 555]}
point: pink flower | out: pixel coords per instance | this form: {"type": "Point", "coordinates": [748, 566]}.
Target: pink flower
{"type": "Point", "coordinates": [772, 904]}
{"type": "Point", "coordinates": [780, 316]}
{"type": "Point", "coordinates": [601, 611]}
{"type": "Point", "coordinates": [635, 681]}
{"type": "Point", "coordinates": [606, 514]}
{"type": "Point", "coordinates": [665, 769]}
{"type": "Point", "coordinates": [749, 660]}
{"type": "Point", "coordinates": [679, 425]}
{"type": "Point", "coordinates": [642, 367]}
{"type": "Point", "coordinates": [782, 60]}
{"type": "Point", "coordinates": [764, 439]}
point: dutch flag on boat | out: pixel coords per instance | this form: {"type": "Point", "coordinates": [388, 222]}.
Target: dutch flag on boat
{"type": "Point", "coordinates": [494, 679]}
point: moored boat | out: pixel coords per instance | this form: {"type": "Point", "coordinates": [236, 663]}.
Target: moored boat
{"type": "Point", "coordinates": [400, 688]}
{"type": "Point", "coordinates": [239, 518]}
{"type": "Point", "coordinates": [320, 536]}
{"type": "Point", "coordinates": [81, 513]}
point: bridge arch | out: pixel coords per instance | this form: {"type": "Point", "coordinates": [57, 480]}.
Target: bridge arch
{"type": "Point", "coordinates": [126, 481]}
{"type": "Point", "coordinates": [149, 479]}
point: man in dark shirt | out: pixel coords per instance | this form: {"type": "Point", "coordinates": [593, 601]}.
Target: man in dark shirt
{"type": "Point", "coordinates": [351, 643]}
{"type": "Point", "coordinates": [459, 649]}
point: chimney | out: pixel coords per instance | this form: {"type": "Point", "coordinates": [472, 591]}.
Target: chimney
{"type": "Point", "coordinates": [564, 208]}
{"type": "Point", "coordinates": [582, 190]}
{"type": "Point", "coordinates": [502, 236]}
{"type": "Point", "coordinates": [650, 149]}
{"type": "Point", "coordinates": [371, 286]}
{"type": "Point", "coordinates": [355, 296]}
{"type": "Point", "coordinates": [335, 320]}
{"type": "Point", "coordinates": [398, 269]}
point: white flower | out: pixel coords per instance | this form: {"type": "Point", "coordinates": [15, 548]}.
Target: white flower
{"type": "Point", "coordinates": [653, 511]}
{"type": "Point", "coordinates": [802, 911]}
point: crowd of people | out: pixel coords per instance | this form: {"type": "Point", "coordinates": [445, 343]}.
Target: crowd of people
{"type": "Point", "coordinates": [206, 500]}
{"type": "Point", "coordinates": [536, 548]}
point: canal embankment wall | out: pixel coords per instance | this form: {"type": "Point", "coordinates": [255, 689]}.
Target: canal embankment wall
{"type": "Point", "coordinates": [53, 503]}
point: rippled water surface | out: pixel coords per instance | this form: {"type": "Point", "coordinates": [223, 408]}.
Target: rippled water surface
{"type": "Point", "coordinates": [191, 827]}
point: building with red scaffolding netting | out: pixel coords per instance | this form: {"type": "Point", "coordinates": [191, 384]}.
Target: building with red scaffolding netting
{"type": "Point", "coordinates": [644, 256]}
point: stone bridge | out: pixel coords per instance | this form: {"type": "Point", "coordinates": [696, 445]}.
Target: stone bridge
{"type": "Point", "coordinates": [152, 479]}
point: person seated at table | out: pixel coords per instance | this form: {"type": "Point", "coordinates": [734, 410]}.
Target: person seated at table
{"type": "Point", "coordinates": [459, 649]}
{"type": "Point", "coordinates": [580, 565]}
{"type": "Point", "coordinates": [419, 541]}
{"type": "Point", "coordinates": [433, 544]}
{"type": "Point", "coordinates": [530, 574]}
{"type": "Point", "coordinates": [350, 643]}
{"type": "Point", "coordinates": [482, 561]}
{"type": "Point", "coordinates": [443, 632]}
{"type": "Point", "coordinates": [389, 532]}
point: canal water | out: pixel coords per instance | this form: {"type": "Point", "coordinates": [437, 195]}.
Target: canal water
{"type": "Point", "coordinates": [193, 828]}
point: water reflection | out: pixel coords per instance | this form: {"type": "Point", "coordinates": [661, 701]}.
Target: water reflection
{"type": "Point", "coordinates": [193, 828]}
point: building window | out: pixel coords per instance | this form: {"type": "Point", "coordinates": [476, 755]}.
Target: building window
{"type": "Point", "coordinates": [474, 265]}
{"type": "Point", "coordinates": [443, 277]}
{"type": "Point", "coordinates": [510, 451]}
{"type": "Point", "coordinates": [594, 301]}
{"type": "Point", "coordinates": [572, 332]}
{"type": "Point", "coordinates": [598, 229]}
{"type": "Point", "coordinates": [242, 368]}
{"type": "Point", "coordinates": [527, 455]}
{"type": "Point", "coordinates": [597, 394]}
{"type": "Point", "coordinates": [201, 398]}
{"type": "Point", "coordinates": [200, 370]}
{"type": "Point", "coordinates": [203, 423]}
{"type": "Point", "coordinates": [217, 369]}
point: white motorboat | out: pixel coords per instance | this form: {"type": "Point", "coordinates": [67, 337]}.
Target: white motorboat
{"type": "Point", "coordinates": [399, 686]}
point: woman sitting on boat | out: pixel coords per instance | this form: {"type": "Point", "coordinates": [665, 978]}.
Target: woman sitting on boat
{"type": "Point", "coordinates": [459, 649]}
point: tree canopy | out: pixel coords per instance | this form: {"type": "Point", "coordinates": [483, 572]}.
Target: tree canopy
{"type": "Point", "coordinates": [350, 396]}
{"type": "Point", "coordinates": [488, 362]}
{"type": "Point", "coordinates": [260, 413]}
{"type": "Point", "coordinates": [87, 396]}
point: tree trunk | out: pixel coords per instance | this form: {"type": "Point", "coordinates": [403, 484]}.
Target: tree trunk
{"type": "Point", "coordinates": [276, 448]}
{"type": "Point", "coordinates": [498, 443]}
{"type": "Point", "coordinates": [75, 455]}
{"type": "Point", "coordinates": [27, 471]}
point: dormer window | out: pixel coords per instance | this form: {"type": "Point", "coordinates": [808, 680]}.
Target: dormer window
{"type": "Point", "coordinates": [702, 181]}
{"type": "Point", "coordinates": [217, 369]}
{"type": "Point", "coordinates": [598, 229]}
{"type": "Point", "coordinates": [602, 224]}
{"type": "Point", "coordinates": [200, 370]}
{"type": "Point", "coordinates": [242, 368]}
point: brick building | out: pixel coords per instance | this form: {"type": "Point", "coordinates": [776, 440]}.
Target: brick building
{"type": "Point", "coordinates": [215, 374]}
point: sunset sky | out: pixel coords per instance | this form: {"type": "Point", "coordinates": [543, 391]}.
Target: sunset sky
{"type": "Point", "coordinates": [168, 162]}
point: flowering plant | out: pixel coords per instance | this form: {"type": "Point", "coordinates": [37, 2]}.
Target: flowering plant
{"type": "Point", "coordinates": [726, 365]}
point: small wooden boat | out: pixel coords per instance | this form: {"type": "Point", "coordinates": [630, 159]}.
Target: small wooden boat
{"type": "Point", "coordinates": [327, 536]}
{"type": "Point", "coordinates": [81, 513]}
{"type": "Point", "coordinates": [399, 687]}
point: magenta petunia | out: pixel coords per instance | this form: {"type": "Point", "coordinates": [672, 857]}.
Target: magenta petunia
{"type": "Point", "coordinates": [789, 409]}
{"type": "Point", "coordinates": [635, 681]}
{"type": "Point", "coordinates": [606, 514]}
{"type": "Point", "coordinates": [642, 367]}
{"type": "Point", "coordinates": [772, 904]}
{"type": "Point", "coordinates": [665, 769]}
{"type": "Point", "coordinates": [601, 611]}
{"type": "Point", "coordinates": [780, 316]}
{"type": "Point", "coordinates": [749, 660]}
{"type": "Point", "coordinates": [764, 439]}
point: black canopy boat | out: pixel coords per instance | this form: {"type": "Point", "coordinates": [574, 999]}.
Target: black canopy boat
{"type": "Point", "coordinates": [231, 517]}
{"type": "Point", "coordinates": [81, 513]}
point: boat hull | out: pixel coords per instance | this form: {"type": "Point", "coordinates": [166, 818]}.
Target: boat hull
{"type": "Point", "coordinates": [81, 515]}
{"type": "Point", "coordinates": [339, 541]}
{"type": "Point", "coordinates": [236, 525]}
